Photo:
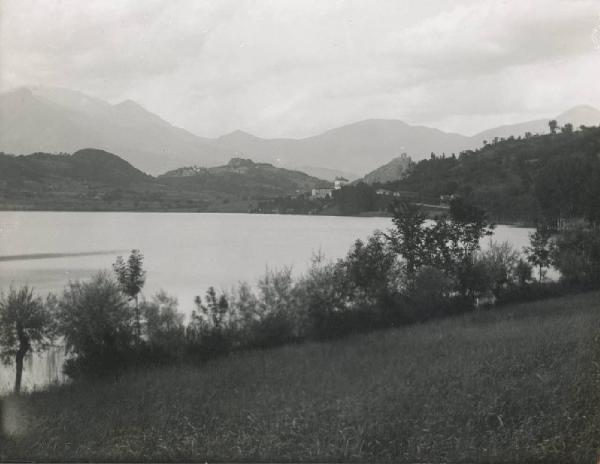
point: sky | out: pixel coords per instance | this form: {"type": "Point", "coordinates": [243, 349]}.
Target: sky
{"type": "Point", "coordinates": [295, 68]}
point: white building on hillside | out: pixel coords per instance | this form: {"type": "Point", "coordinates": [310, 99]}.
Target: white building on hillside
{"type": "Point", "coordinates": [339, 182]}
{"type": "Point", "coordinates": [321, 193]}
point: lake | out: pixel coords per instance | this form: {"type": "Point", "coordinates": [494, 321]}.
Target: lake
{"type": "Point", "coordinates": [185, 253]}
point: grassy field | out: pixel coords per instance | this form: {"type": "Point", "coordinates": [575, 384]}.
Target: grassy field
{"type": "Point", "coordinates": [517, 384]}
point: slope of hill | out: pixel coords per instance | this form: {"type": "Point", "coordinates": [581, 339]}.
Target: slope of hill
{"type": "Point", "coordinates": [88, 165]}
{"type": "Point", "coordinates": [242, 177]}
{"type": "Point", "coordinates": [555, 176]}
{"type": "Point", "coordinates": [93, 179]}
{"type": "Point", "coordinates": [579, 115]}
{"type": "Point", "coordinates": [394, 170]}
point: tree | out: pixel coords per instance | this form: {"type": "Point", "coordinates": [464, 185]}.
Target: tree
{"type": "Point", "coordinates": [97, 325]}
{"type": "Point", "coordinates": [407, 238]}
{"type": "Point", "coordinates": [131, 277]}
{"type": "Point", "coordinates": [553, 125]}
{"type": "Point", "coordinates": [369, 267]}
{"type": "Point", "coordinates": [448, 244]}
{"type": "Point", "coordinates": [567, 128]}
{"type": "Point", "coordinates": [25, 326]}
{"type": "Point", "coordinates": [539, 252]}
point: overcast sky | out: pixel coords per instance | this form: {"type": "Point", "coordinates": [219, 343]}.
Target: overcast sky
{"type": "Point", "coordinates": [297, 67]}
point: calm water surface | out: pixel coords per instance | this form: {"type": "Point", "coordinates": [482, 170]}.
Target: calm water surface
{"type": "Point", "coordinates": [185, 253]}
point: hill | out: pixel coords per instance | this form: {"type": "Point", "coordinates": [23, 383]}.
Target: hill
{"type": "Point", "coordinates": [88, 165]}
{"type": "Point", "coordinates": [93, 179]}
{"type": "Point", "coordinates": [518, 179]}
{"type": "Point", "coordinates": [242, 178]}
{"type": "Point", "coordinates": [394, 170]}
{"type": "Point", "coordinates": [519, 384]}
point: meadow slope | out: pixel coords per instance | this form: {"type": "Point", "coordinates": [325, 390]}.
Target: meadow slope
{"type": "Point", "coordinates": [517, 384]}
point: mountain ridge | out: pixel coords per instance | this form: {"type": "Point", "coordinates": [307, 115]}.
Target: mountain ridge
{"type": "Point", "coordinates": [61, 120]}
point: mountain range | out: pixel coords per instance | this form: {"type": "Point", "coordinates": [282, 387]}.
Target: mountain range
{"type": "Point", "coordinates": [60, 120]}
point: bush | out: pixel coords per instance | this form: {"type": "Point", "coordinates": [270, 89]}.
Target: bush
{"type": "Point", "coordinates": [577, 256]}
{"type": "Point", "coordinates": [430, 294]}
{"type": "Point", "coordinates": [98, 327]}
{"type": "Point", "coordinates": [211, 331]}
{"type": "Point", "coordinates": [164, 328]}
{"type": "Point", "coordinates": [280, 318]}
{"type": "Point", "coordinates": [501, 268]}
{"type": "Point", "coordinates": [324, 294]}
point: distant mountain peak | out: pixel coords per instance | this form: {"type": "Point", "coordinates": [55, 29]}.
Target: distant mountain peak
{"type": "Point", "coordinates": [133, 107]}
{"type": "Point", "coordinates": [239, 136]}
{"type": "Point", "coordinates": [18, 93]}
{"type": "Point", "coordinates": [580, 114]}
{"type": "Point", "coordinates": [128, 103]}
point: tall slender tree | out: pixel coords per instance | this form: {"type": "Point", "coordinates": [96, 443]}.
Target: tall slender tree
{"type": "Point", "coordinates": [25, 326]}
{"type": "Point", "coordinates": [132, 277]}
{"type": "Point", "coordinates": [539, 252]}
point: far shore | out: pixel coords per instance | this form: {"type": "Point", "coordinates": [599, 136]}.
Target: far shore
{"type": "Point", "coordinates": [365, 214]}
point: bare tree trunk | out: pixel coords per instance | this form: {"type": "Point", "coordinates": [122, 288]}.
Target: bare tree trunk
{"type": "Point", "coordinates": [19, 367]}
{"type": "Point", "coordinates": [24, 346]}
{"type": "Point", "coordinates": [137, 320]}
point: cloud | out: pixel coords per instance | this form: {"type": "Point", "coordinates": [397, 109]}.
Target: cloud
{"type": "Point", "coordinates": [292, 68]}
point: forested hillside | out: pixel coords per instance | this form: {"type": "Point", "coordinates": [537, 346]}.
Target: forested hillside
{"type": "Point", "coordinates": [518, 179]}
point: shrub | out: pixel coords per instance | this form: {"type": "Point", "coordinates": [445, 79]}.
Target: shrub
{"type": "Point", "coordinates": [577, 256]}
{"type": "Point", "coordinates": [164, 328]}
{"type": "Point", "coordinates": [97, 325]}
{"type": "Point", "coordinates": [523, 273]}
{"type": "Point", "coordinates": [210, 332]}
{"type": "Point", "coordinates": [500, 263]}
{"type": "Point", "coordinates": [324, 295]}
{"type": "Point", "coordinates": [430, 293]}
{"type": "Point", "coordinates": [280, 318]}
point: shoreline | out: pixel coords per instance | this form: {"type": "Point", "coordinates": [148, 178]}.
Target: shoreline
{"type": "Point", "coordinates": [364, 215]}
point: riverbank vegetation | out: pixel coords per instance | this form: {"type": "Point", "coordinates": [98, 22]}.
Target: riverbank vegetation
{"type": "Point", "coordinates": [416, 271]}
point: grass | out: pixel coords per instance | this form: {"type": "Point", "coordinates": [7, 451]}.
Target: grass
{"type": "Point", "coordinates": [517, 384]}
